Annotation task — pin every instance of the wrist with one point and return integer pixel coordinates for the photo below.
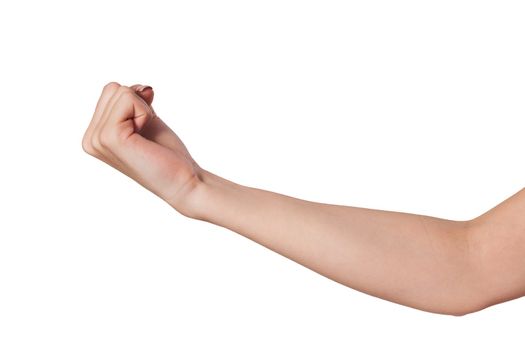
(202, 195)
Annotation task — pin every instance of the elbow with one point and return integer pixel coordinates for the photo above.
(459, 312)
(459, 308)
(473, 289)
(492, 274)
(456, 307)
(465, 308)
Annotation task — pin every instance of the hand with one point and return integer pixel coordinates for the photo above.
(126, 133)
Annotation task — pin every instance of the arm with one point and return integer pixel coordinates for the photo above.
(498, 246)
(433, 264)
(437, 265)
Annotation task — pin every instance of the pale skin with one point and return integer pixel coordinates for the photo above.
(432, 264)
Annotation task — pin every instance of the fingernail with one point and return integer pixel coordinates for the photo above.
(142, 88)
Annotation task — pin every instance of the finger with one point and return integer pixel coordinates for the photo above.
(107, 92)
(127, 115)
(102, 151)
(129, 112)
(109, 106)
(96, 146)
(156, 130)
(147, 94)
(121, 115)
(95, 135)
(144, 91)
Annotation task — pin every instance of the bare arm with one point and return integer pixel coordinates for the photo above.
(498, 246)
(433, 264)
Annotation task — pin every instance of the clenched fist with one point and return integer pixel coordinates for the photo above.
(126, 133)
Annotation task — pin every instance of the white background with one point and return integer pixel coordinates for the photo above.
(411, 106)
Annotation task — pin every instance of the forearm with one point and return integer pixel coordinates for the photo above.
(419, 261)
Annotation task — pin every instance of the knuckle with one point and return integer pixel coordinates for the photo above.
(111, 86)
(107, 139)
(104, 141)
(126, 92)
(86, 146)
(123, 89)
(96, 144)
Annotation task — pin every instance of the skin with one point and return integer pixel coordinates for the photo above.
(428, 263)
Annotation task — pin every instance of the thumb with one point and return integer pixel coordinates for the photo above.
(144, 91)
(130, 113)
(154, 128)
